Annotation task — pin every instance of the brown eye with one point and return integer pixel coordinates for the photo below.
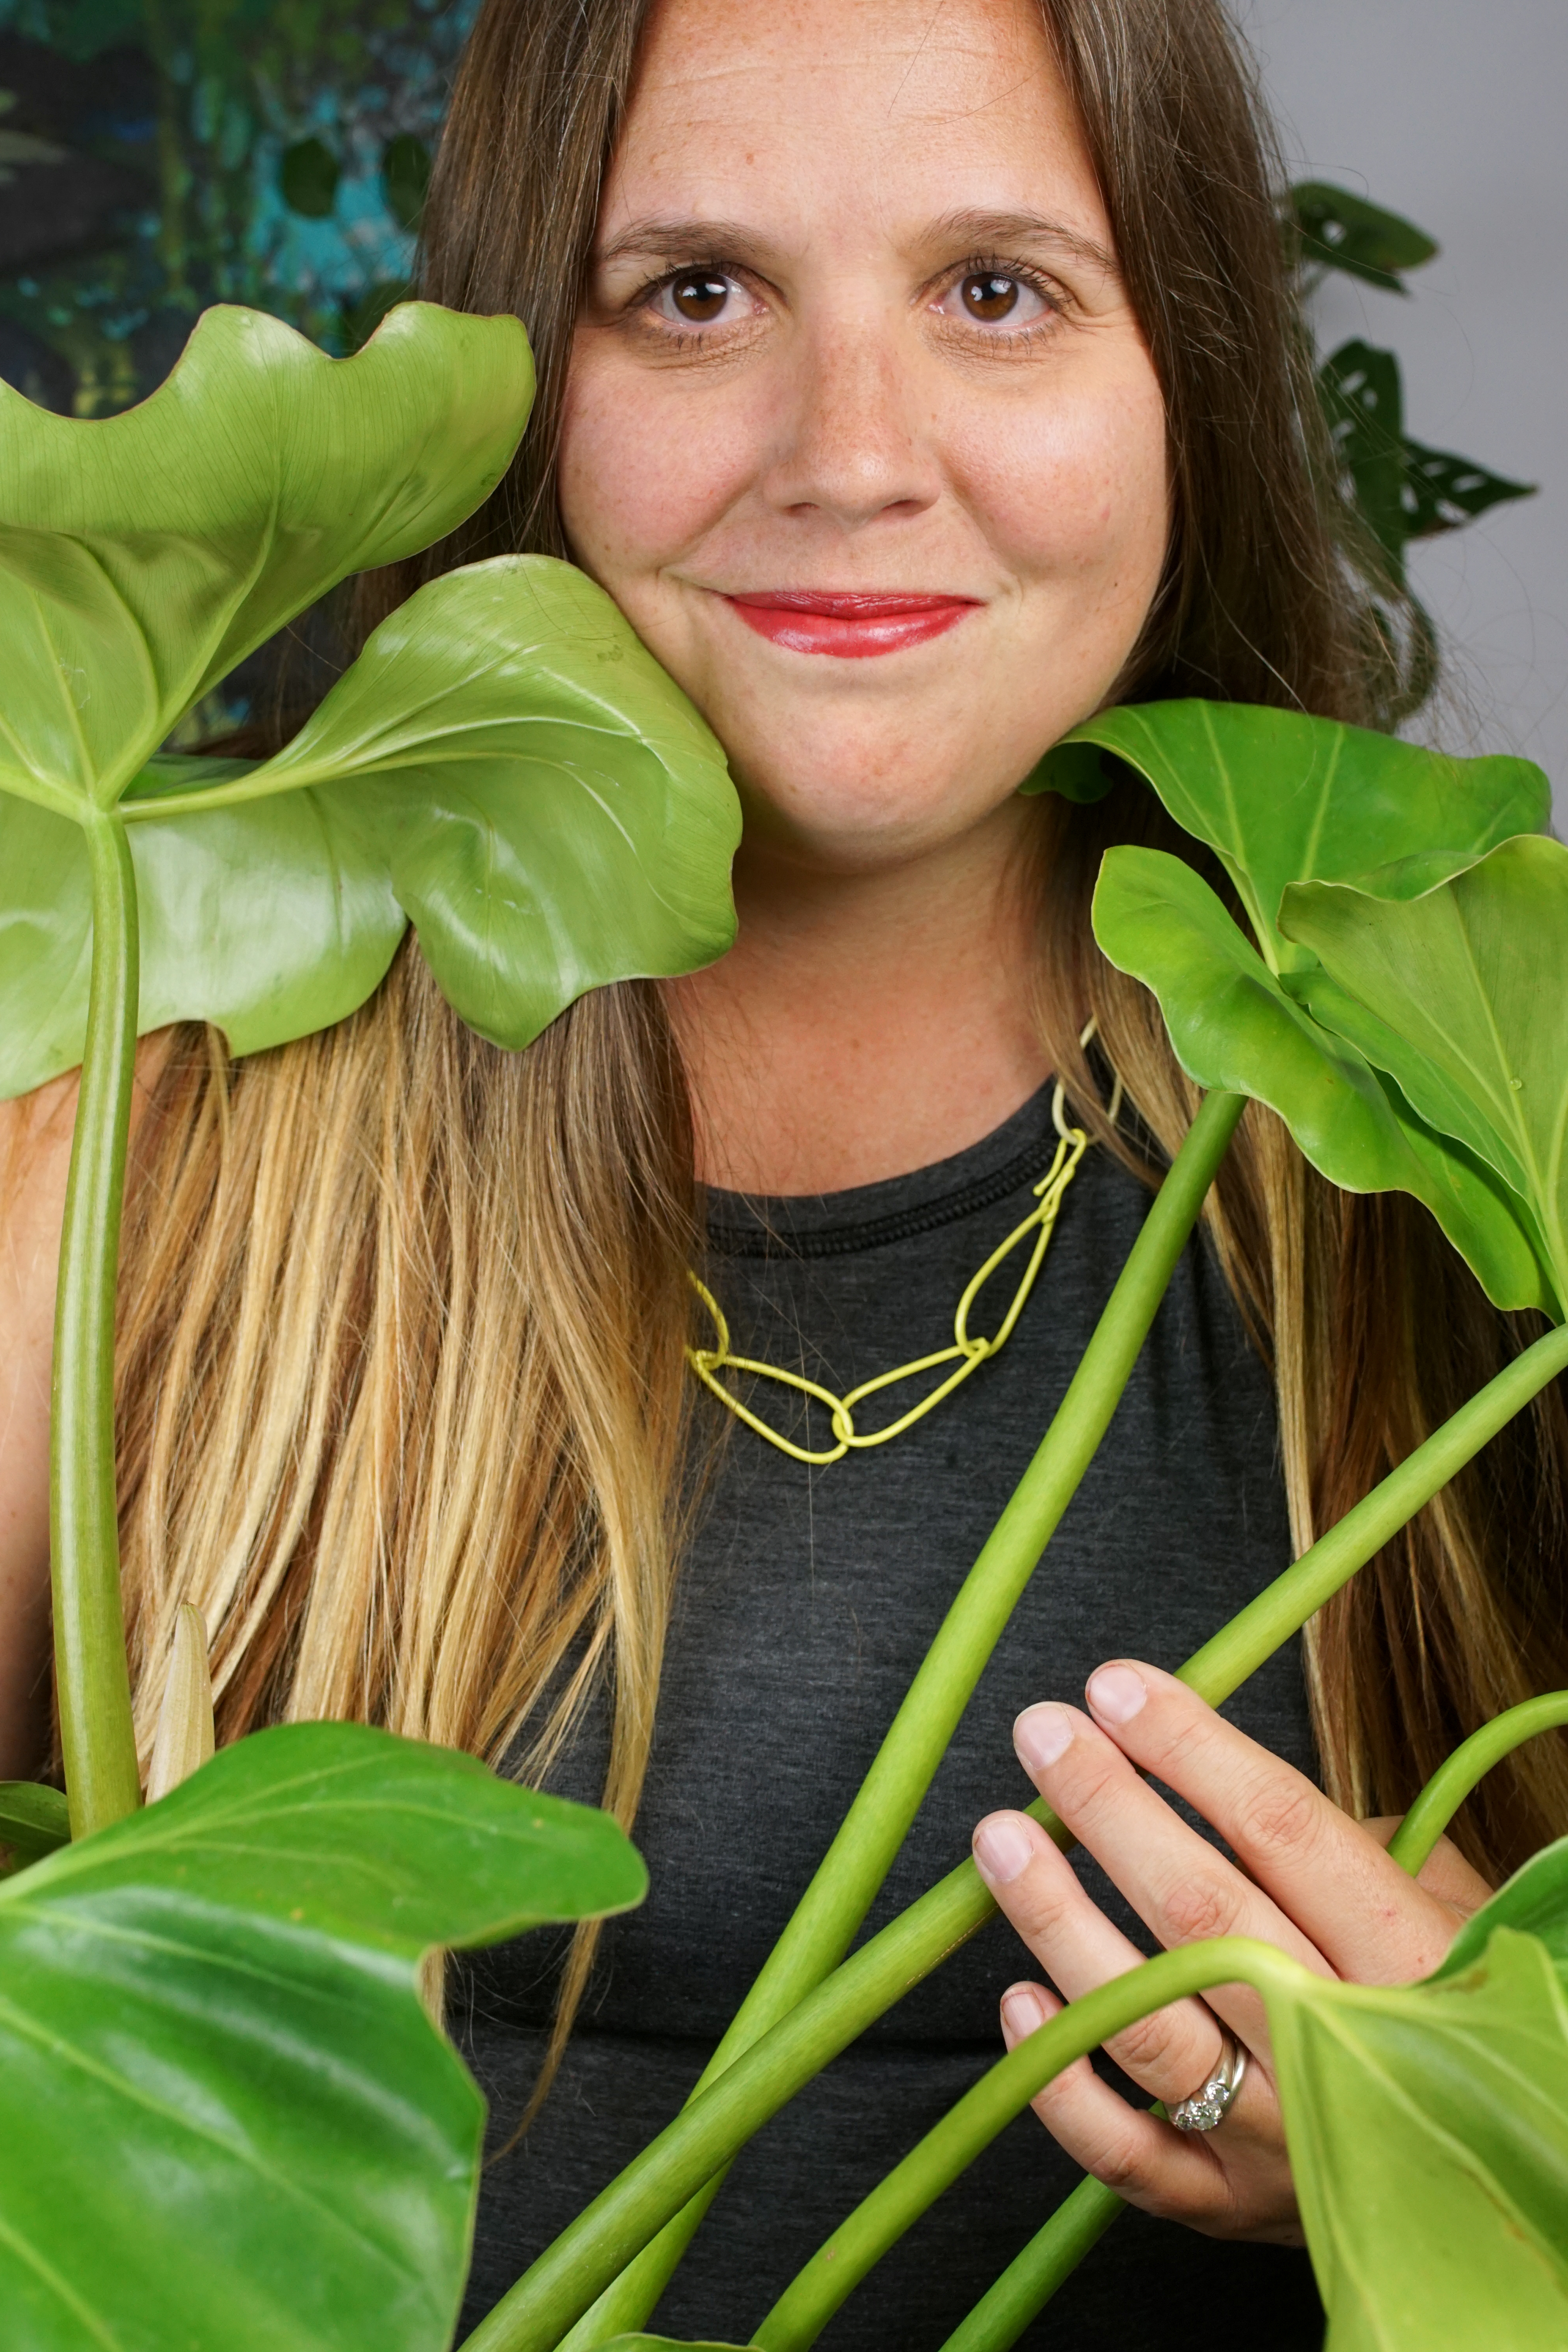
(699, 296)
(987, 296)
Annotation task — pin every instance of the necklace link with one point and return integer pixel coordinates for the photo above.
(966, 1352)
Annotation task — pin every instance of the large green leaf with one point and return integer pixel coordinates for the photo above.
(1461, 995)
(554, 811)
(273, 919)
(506, 764)
(1234, 1024)
(1427, 2127)
(144, 555)
(1286, 798)
(224, 2118)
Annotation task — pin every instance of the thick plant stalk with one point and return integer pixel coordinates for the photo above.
(1457, 1774)
(1032, 2277)
(568, 2277)
(811, 2299)
(847, 1882)
(91, 1675)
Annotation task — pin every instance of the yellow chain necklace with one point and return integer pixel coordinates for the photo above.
(708, 1362)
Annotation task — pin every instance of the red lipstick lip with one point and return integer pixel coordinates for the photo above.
(850, 623)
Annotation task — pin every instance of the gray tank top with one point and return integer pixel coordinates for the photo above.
(803, 1610)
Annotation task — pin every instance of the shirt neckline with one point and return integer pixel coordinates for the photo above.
(870, 1216)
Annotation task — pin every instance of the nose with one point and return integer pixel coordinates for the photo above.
(851, 449)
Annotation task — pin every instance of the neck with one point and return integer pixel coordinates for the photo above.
(864, 1024)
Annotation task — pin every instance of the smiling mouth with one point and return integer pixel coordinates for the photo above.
(852, 625)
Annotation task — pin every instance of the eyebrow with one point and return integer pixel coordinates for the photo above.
(678, 241)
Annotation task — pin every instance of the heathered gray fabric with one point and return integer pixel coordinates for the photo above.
(805, 1606)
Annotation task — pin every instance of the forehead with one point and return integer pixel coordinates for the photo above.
(903, 109)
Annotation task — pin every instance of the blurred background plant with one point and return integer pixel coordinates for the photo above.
(1400, 489)
(159, 155)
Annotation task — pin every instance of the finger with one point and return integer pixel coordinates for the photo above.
(1175, 1879)
(1143, 2159)
(1445, 1874)
(1172, 2052)
(1363, 1911)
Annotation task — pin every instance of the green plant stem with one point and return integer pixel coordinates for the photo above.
(92, 1677)
(1454, 1778)
(812, 2296)
(850, 1873)
(1032, 2277)
(535, 2313)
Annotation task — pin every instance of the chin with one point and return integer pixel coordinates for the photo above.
(845, 820)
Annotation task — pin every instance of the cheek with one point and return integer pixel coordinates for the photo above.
(640, 483)
(1075, 493)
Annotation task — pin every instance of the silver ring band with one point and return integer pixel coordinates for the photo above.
(1209, 2106)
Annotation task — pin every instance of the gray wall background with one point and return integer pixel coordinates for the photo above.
(1455, 112)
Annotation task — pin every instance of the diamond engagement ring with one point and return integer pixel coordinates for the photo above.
(1209, 2106)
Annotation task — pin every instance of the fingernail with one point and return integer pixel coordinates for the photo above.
(1023, 2012)
(1003, 1848)
(1040, 1735)
(1116, 1693)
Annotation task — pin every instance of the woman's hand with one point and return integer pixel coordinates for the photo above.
(1310, 1880)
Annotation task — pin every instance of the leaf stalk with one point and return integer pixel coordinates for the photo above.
(568, 2277)
(93, 1676)
(851, 1874)
(812, 2296)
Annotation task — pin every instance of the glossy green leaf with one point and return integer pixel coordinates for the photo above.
(1461, 995)
(273, 919)
(1335, 229)
(1427, 2127)
(1234, 1025)
(224, 2118)
(566, 818)
(1533, 1901)
(144, 554)
(666, 2344)
(506, 762)
(34, 1819)
(1286, 798)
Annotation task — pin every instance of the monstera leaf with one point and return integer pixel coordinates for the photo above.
(1429, 2135)
(506, 764)
(1286, 798)
(224, 2118)
(1461, 996)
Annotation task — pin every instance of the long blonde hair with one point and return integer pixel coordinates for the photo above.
(402, 1388)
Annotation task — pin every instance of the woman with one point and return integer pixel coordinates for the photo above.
(917, 380)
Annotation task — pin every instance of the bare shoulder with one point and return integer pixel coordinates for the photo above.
(34, 1164)
(35, 1159)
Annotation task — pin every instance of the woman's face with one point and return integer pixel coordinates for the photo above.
(854, 331)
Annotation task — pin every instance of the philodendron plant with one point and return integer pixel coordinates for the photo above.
(224, 2118)
(1408, 965)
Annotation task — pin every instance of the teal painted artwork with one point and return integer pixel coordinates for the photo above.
(159, 155)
